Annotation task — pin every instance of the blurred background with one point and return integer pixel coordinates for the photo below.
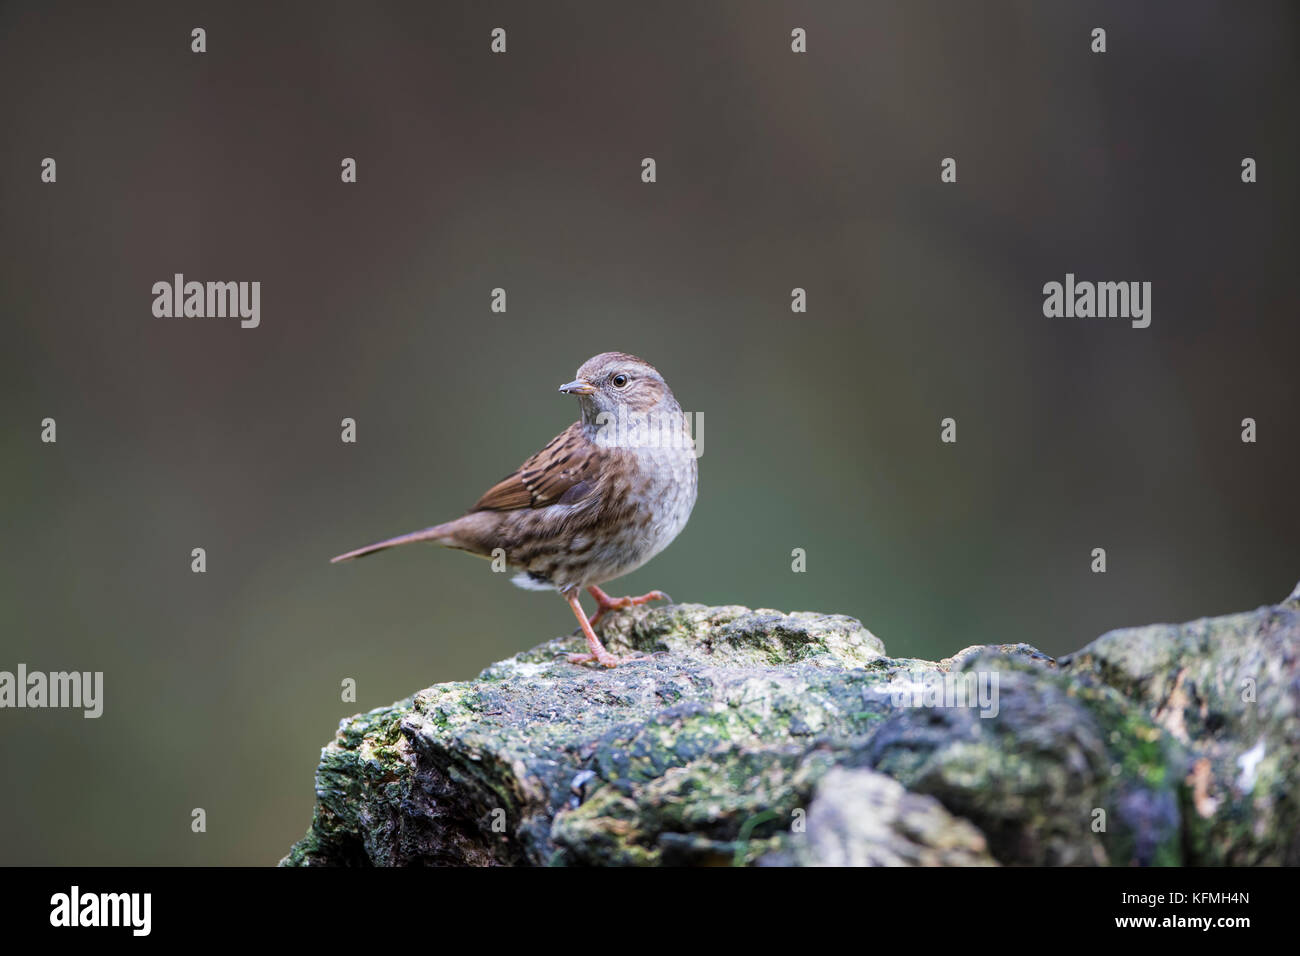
(522, 171)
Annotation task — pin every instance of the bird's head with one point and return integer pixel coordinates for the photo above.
(615, 381)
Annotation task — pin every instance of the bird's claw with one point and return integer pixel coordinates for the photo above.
(608, 660)
(606, 603)
(605, 660)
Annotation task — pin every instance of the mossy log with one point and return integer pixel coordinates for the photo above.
(756, 737)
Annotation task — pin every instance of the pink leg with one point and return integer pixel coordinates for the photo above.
(608, 603)
(598, 652)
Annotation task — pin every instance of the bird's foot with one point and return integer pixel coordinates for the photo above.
(604, 660)
(598, 652)
(607, 603)
(607, 659)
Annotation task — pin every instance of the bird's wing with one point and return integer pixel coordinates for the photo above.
(564, 472)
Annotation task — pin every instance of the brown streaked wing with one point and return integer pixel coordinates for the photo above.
(565, 469)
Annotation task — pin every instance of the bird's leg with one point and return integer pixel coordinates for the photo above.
(608, 603)
(598, 652)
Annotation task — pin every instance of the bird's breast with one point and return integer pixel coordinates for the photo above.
(662, 490)
(642, 500)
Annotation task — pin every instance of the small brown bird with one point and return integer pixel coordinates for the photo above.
(604, 497)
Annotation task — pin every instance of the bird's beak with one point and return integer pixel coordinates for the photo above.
(578, 387)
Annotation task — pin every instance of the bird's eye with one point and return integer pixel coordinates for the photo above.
(619, 380)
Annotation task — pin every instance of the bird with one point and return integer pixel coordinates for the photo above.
(601, 499)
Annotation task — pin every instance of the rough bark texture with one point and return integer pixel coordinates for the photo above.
(749, 737)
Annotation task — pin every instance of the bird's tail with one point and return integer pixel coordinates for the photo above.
(439, 534)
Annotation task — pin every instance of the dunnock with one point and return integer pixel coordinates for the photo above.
(604, 497)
